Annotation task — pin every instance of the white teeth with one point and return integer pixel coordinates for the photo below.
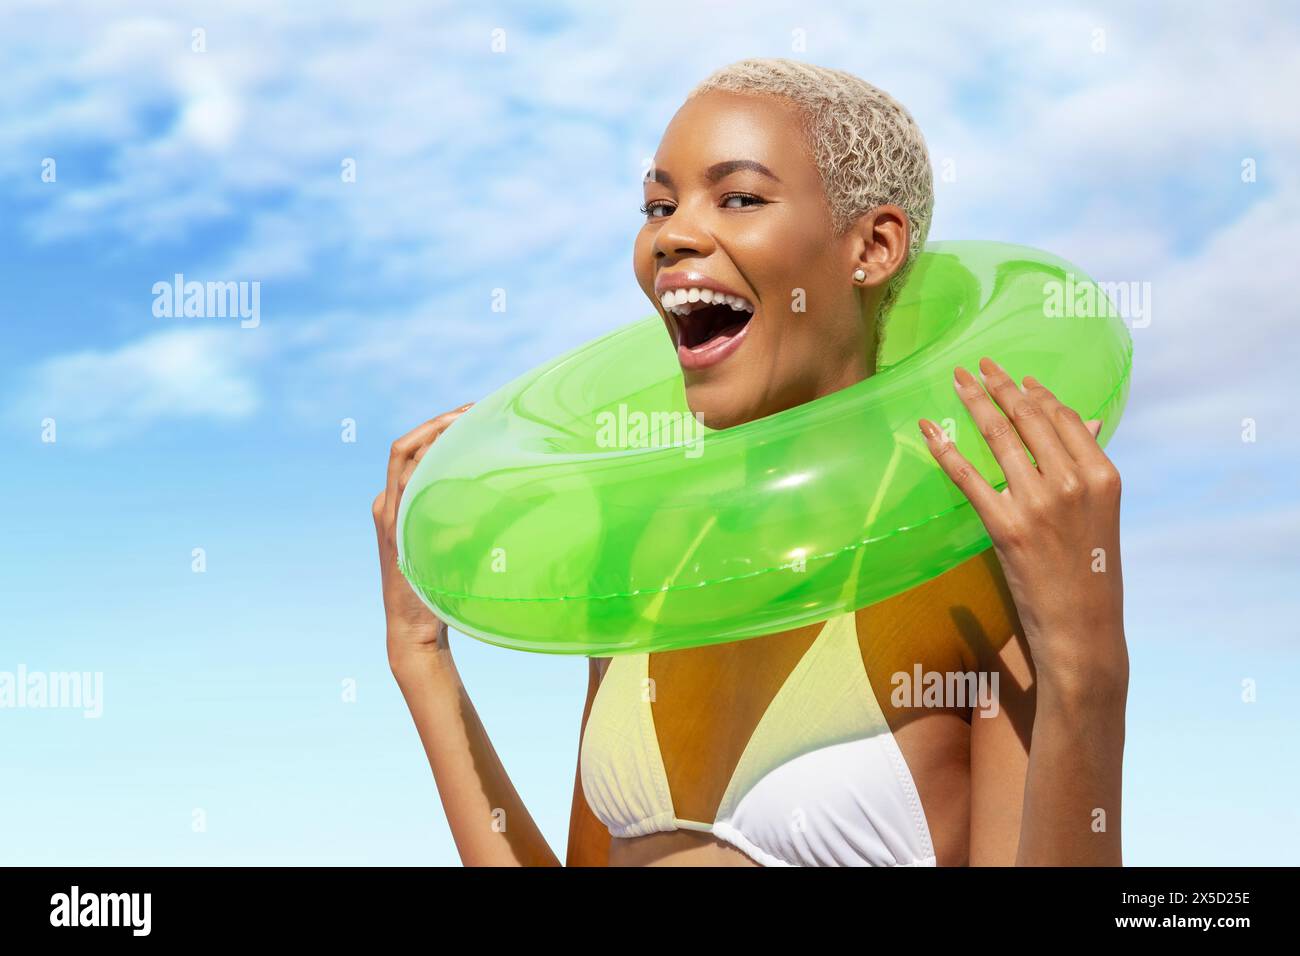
(685, 301)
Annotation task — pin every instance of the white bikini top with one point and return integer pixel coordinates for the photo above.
(820, 783)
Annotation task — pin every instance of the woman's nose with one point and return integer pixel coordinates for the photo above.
(683, 235)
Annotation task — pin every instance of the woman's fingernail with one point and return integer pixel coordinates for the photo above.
(1031, 382)
(928, 429)
(962, 378)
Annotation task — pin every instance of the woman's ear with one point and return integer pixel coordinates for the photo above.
(883, 233)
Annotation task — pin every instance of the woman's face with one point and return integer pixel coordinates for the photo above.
(736, 206)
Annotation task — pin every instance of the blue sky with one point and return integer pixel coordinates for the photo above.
(1121, 150)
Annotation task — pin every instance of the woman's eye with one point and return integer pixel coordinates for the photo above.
(745, 201)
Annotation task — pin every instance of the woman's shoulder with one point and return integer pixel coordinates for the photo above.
(956, 618)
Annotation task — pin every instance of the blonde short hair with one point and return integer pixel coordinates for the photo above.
(865, 143)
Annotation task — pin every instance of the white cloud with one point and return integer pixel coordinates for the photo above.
(1226, 538)
(99, 396)
(1220, 347)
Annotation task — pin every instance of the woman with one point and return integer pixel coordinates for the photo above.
(795, 198)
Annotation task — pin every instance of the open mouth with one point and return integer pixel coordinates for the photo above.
(702, 325)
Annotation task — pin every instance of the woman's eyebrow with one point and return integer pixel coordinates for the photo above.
(715, 172)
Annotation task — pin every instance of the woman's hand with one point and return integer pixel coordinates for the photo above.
(412, 627)
(1055, 527)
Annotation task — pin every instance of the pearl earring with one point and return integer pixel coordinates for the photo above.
(859, 276)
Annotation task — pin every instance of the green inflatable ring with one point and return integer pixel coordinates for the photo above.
(581, 509)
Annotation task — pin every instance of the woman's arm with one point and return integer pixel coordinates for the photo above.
(1074, 782)
(1041, 766)
(489, 822)
(1055, 529)
(459, 750)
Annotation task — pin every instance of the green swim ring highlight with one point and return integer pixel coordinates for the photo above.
(582, 509)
